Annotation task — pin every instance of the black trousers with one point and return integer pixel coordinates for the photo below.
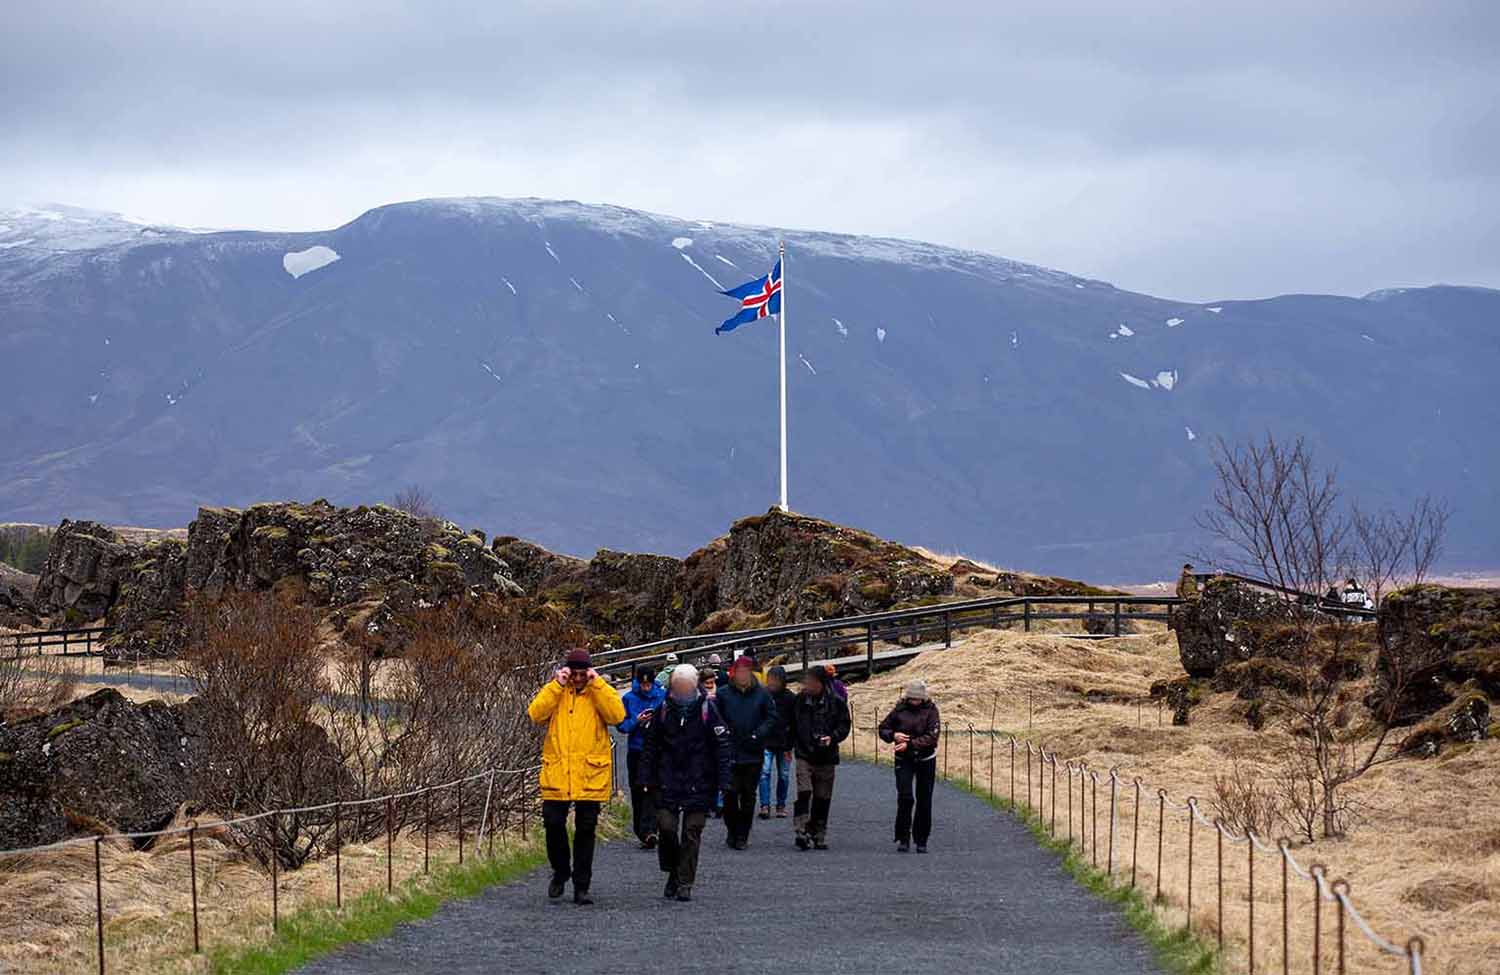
(739, 804)
(681, 833)
(918, 777)
(580, 867)
(814, 798)
(642, 803)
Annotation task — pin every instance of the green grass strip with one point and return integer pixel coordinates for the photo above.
(1177, 950)
(313, 932)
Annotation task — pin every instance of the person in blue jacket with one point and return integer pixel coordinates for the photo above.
(641, 701)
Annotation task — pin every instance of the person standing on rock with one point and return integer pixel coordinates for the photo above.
(577, 707)
(751, 715)
(913, 727)
(820, 720)
(778, 746)
(686, 758)
(641, 701)
(1187, 583)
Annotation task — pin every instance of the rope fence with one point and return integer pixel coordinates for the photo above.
(493, 817)
(1304, 923)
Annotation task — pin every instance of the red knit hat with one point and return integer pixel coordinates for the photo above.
(744, 660)
(578, 658)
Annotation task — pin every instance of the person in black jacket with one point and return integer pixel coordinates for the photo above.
(820, 720)
(778, 745)
(751, 715)
(685, 762)
(913, 727)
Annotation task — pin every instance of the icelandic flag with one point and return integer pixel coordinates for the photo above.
(758, 299)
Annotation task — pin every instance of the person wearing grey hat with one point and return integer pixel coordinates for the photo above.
(913, 727)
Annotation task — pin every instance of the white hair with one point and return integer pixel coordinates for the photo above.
(685, 672)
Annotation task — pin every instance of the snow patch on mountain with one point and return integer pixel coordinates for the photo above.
(880, 335)
(1166, 380)
(1215, 309)
(509, 285)
(689, 258)
(550, 251)
(1190, 434)
(682, 243)
(576, 284)
(809, 365)
(17, 243)
(1015, 340)
(1174, 322)
(721, 257)
(298, 263)
(1132, 380)
(843, 331)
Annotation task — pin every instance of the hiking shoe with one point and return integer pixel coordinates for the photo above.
(685, 894)
(582, 896)
(649, 843)
(921, 847)
(803, 842)
(765, 812)
(741, 844)
(671, 889)
(780, 812)
(903, 846)
(555, 888)
(820, 844)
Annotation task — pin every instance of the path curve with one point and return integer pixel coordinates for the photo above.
(986, 899)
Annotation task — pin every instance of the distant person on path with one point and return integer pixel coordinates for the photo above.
(644, 696)
(778, 745)
(577, 707)
(1356, 597)
(750, 712)
(665, 674)
(820, 720)
(834, 684)
(685, 763)
(913, 727)
(1187, 583)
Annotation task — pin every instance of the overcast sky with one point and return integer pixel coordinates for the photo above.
(1190, 150)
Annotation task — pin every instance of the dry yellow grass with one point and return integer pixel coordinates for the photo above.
(1426, 860)
(49, 922)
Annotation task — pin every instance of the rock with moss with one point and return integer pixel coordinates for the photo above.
(146, 615)
(1464, 720)
(1226, 623)
(101, 760)
(1437, 643)
(81, 577)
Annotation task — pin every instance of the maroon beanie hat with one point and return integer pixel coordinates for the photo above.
(578, 658)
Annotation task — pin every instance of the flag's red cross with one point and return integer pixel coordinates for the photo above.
(761, 300)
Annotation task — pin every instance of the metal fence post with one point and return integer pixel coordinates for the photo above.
(1028, 775)
(426, 828)
(1053, 828)
(390, 828)
(992, 759)
(193, 877)
(461, 814)
(1012, 771)
(1117, 617)
(1161, 830)
(1114, 783)
(870, 652)
(1026, 614)
(275, 882)
(972, 780)
(1341, 892)
(1219, 829)
(1070, 803)
(1135, 833)
(947, 741)
(338, 854)
(1286, 924)
(1317, 878)
(99, 902)
(804, 651)
(489, 822)
(1094, 816)
(1191, 802)
(1250, 923)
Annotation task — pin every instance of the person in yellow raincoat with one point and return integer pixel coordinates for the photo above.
(577, 707)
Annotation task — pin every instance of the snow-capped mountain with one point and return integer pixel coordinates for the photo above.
(549, 369)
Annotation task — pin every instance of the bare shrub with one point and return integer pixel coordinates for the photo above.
(1243, 804)
(1278, 514)
(453, 705)
(32, 683)
(415, 500)
(253, 663)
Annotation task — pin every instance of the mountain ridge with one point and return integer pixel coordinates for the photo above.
(549, 369)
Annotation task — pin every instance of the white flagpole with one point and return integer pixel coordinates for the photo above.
(781, 320)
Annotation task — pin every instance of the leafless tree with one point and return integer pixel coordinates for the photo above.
(253, 662)
(1279, 515)
(415, 500)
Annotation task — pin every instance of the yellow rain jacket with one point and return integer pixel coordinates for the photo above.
(575, 754)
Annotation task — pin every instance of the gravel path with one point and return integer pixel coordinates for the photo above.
(986, 899)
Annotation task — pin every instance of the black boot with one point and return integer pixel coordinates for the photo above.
(685, 894)
(903, 846)
(582, 896)
(671, 889)
(555, 888)
(803, 842)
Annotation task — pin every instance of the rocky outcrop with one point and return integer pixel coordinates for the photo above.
(81, 577)
(771, 568)
(797, 568)
(1225, 623)
(366, 565)
(98, 763)
(1440, 646)
(17, 611)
